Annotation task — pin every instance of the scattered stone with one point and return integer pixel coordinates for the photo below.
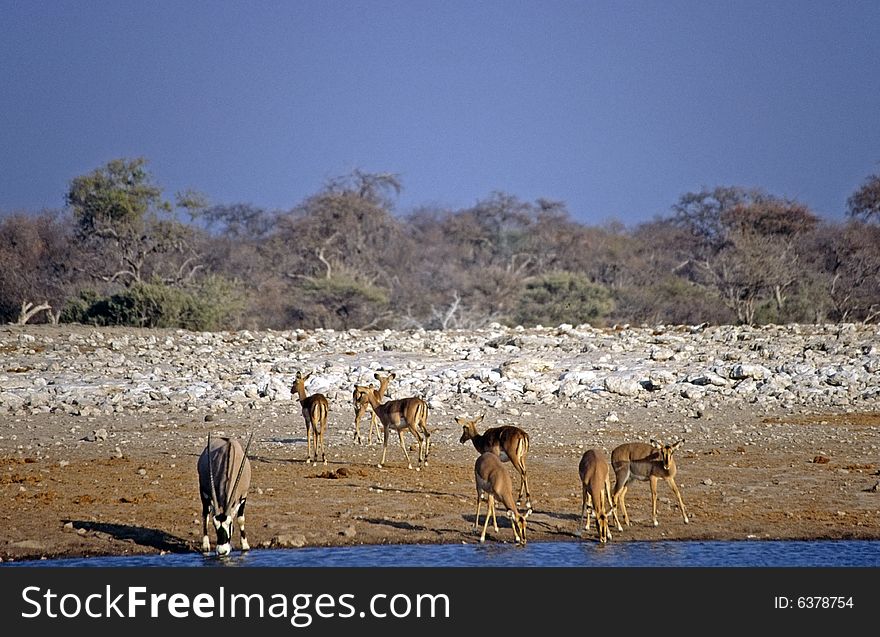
(297, 540)
(105, 373)
(821, 459)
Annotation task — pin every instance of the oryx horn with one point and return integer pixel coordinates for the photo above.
(240, 468)
(211, 478)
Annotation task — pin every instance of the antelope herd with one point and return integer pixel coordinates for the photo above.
(224, 469)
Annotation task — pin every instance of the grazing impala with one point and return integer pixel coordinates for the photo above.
(641, 461)
(224, 479)
(493, 480)
(508, 442)
(404, 414)
(314, 410)
(362, 405)
(594, 472)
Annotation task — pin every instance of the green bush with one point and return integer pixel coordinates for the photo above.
(562, 297)
(338, 302)
(211, 305)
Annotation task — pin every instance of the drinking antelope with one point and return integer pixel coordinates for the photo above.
(492, 479)
(641, 461)
(508, 442)
(362, 405)
(224, 480)
(314, 411)
(404, 414)
(594, 472)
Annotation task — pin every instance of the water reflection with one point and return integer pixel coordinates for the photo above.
(781, 553)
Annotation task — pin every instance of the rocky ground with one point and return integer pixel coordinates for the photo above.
(100, 430)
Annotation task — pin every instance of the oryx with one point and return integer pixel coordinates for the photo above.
(224, 479)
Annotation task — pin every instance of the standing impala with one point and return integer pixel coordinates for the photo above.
(314, 411)
(362, 405)
(641, 461)
(596, 489)
(492, 479)
(224, 479)
(508, 442)
(404, 414)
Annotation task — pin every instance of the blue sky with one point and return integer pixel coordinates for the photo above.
(615, 108)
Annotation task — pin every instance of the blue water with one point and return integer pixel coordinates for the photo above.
(749, 553)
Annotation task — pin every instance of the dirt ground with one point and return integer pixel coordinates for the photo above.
(742, 475)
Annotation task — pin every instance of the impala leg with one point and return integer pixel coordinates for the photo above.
(323, 456)
(309, 443)
(620, 502)
(384, 448)
(427, 441)
(492, 507)
(405, 452)
(515, 524)
(477, 517)
(588, 508)
(357, 424)
(611, 504)
(653, 482)
(374, 423)
(240, 521)
(524, 489)
(584, 520)
(677, 493)
(423, 459)
(486, 522)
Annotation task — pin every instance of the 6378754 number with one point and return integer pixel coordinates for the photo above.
(814, 602)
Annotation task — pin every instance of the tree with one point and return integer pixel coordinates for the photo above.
(850, 261)
(473, 263)
(335, 259)
(37, 264)
(119, 213)
(865, 202)
(745, 245)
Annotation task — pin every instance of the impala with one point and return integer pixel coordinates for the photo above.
(641, 461)
(362, 405)
(594, 472)
(492, 479)
(224, 479)
(508, 442)
(314, 411)
(404, 414)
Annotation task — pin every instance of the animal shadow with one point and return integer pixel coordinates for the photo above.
(143, 536)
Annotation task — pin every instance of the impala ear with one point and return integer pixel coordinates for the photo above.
(376, 376)
(459, 420)
(480, 419)
(656, 444)
(677, 444)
